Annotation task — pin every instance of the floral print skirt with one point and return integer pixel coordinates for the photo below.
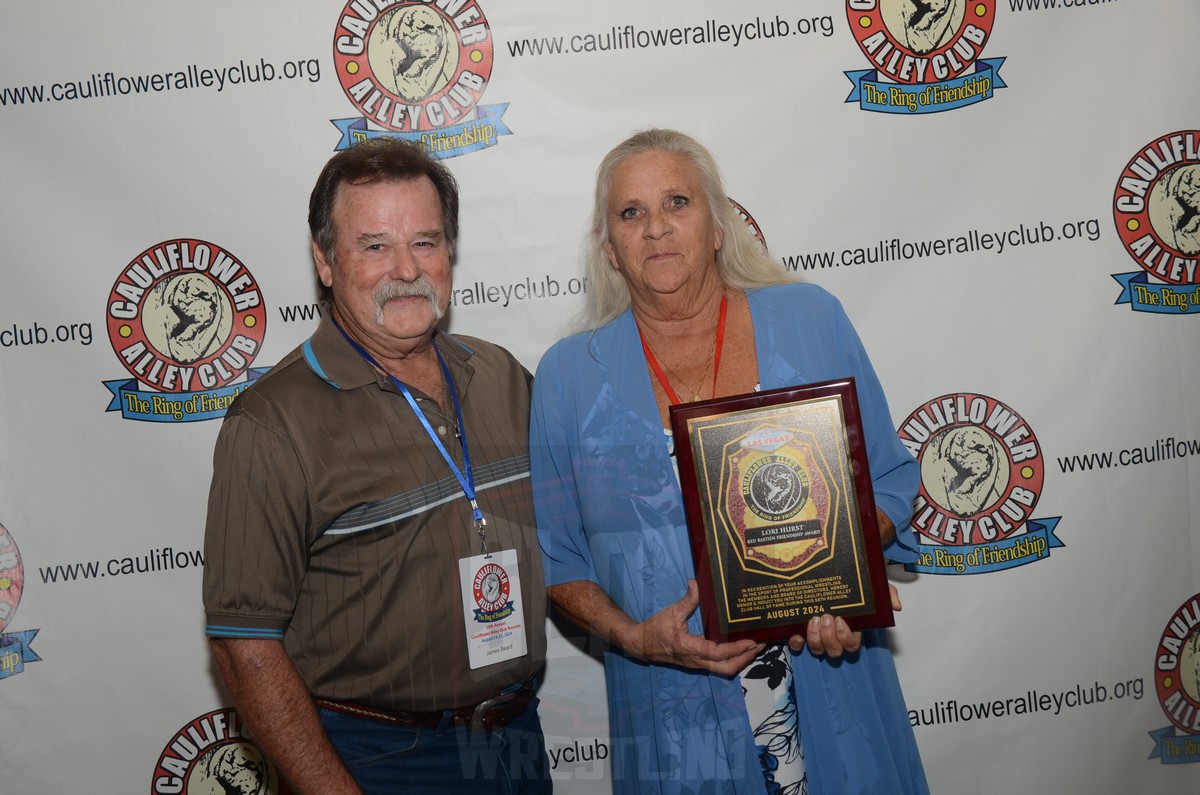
(771, 702)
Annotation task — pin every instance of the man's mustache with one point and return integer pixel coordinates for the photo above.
(421, 287)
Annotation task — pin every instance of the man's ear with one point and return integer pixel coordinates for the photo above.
(324, 269)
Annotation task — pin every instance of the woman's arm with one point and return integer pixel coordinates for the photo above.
(663, 638)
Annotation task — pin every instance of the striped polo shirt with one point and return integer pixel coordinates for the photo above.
(335, 525)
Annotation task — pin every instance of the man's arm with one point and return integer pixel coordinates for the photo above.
(274, 703)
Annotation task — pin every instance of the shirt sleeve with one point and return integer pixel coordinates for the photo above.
(553, 434)
(255, 544)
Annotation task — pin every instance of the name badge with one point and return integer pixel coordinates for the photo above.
(491, 596)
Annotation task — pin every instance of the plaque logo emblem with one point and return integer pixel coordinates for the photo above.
(775, 488)
(777, 500)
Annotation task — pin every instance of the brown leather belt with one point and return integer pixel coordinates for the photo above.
(499, 710)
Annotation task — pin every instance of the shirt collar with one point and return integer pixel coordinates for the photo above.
(335, 362)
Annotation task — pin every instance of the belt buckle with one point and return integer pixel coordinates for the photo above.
(479, 718)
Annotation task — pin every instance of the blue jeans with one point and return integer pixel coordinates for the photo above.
(384, 758)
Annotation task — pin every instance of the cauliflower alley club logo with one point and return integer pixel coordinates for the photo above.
(186, 318)
(981, 478)
(1157, 211)
(1177, 683)
(751, 224)
(416, 69)
(925, 54)
(15, 648)
(492, 590)
(213, 753)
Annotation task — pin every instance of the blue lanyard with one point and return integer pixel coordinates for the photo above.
(466, 475)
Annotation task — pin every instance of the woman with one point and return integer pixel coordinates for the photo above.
(683, 305)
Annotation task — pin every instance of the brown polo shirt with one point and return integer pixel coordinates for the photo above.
(335, 525)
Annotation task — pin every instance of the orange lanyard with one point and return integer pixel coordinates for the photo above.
(658, 372)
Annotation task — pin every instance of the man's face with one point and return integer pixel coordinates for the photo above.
(390, 277)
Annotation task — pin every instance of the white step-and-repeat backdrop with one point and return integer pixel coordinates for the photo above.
(1008, 205)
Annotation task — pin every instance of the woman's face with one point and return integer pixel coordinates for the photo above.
(661, 234)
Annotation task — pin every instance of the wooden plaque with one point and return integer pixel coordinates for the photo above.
(780, 511)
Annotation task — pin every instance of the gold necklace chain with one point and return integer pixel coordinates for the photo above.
(675, 377)
(714, 356)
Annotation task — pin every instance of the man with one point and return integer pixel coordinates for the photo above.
(366, 638)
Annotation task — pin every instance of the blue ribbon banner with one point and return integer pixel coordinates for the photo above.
(15, 651)
(209, 404)
(1029, 547)
(469, 136)
(957, 92)
(1161, 299)
(1175, 749)
(484, 617)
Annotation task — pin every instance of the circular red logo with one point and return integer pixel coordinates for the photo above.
(1177, 667)
(1156, 207)
(914, 41)
(185, 315)
(414, 66)
(213, 754)
(751, 224)
(491, 587)
(981, 469)
(12, 578)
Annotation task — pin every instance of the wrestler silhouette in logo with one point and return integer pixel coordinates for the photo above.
(413, 52)
(964, 470)
(232, 769)
(923, 25)
(776, 489)
(1189, 666)
(187, 317)
(1175, 208)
